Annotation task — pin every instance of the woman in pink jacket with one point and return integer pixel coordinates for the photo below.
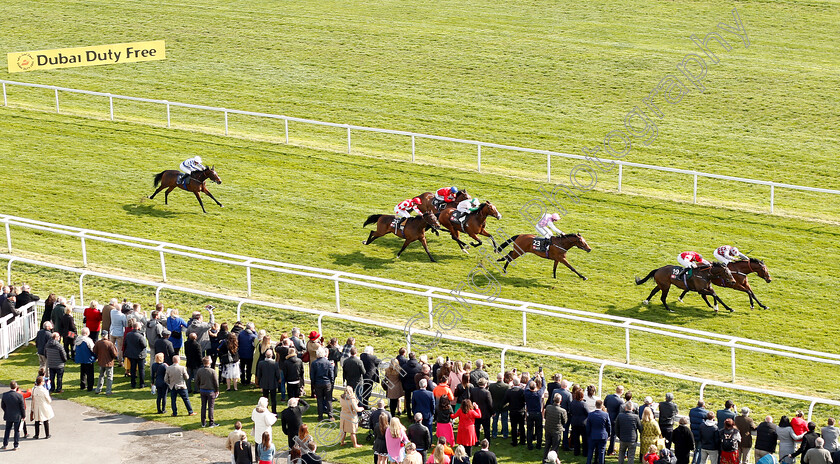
(466, 425)
(395, 440)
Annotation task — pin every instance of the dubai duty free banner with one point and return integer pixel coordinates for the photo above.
(87, 56)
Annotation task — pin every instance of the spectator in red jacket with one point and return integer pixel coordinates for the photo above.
(93, 320)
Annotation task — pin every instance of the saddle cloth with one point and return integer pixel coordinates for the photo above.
(541, 244)
(398, 224)
(438, 204)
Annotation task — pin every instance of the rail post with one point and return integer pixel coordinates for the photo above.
(702, 389)
(524, 328)
(601, 376)
(431, 312)
(479, 157)
(84, 248)
(695, 188)
(504, 350)
(248, 275)
(226, 122)
(157, 293)
(57, 108)
(239, 310)
(9, 270)
(337, 295)
(772, 198)
(168, 116)
(162, 263)
(620, 174)
(627, 341)
(111, 105)
(412, 148)
(348, 140)
(82, 288)
(5, 102)
(811, 410)
(286, 124)
(548, 170)
(8, 236)
(732, 343)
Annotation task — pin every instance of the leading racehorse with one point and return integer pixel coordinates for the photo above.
(556, 251)
(428, 201)
(169, 180)
(414, 228)
(740, 270)
(700, 282)
(473, 224)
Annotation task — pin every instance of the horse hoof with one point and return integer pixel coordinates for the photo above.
(465, 250)
(645, 302)
(716, 308)
(731, 310)
(584, 278)
(669, 310)
(765, 307)
(680, 300)
(752, 306)
(364, 242)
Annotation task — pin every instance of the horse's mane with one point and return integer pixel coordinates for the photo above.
(570, 235)
(756, 261)
(717, 264)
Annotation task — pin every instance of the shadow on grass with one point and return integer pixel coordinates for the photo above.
(356, 258)
(147, 210)
(655, 312)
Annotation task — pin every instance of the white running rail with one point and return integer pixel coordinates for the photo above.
(18, 331)
(413, 135)
(504, 348)
(427, 292)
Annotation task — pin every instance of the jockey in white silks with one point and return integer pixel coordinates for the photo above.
(546, 227)
(191, 165)
(727, 253)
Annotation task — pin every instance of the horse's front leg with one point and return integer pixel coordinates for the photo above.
(717, 299)
(477, 242)
(426, 247)
(487, 234)
(198, 197)
(204, 189)
(564, 261)
(705, 297)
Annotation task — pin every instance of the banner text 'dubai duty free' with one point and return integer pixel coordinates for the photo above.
(87, 56)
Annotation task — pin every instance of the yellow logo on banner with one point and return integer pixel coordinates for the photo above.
(87, 56)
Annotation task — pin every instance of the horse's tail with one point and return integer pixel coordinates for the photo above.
(372, 219)
(158, 177)
(506, 243)
(650, 274)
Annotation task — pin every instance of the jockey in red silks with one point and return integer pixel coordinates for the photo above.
(690, 260)
(446, 194)
(404, 209)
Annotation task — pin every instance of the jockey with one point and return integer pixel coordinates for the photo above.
(690, 260)
(727, 253)
(446, 194)
(191, 165)
(468, 206)
(404, 209)
(545, 226)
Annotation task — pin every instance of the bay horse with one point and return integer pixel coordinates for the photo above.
(740, 270)
(169, 180)
(700, 282)
(556, 251)
(414, 229)
(427, 199)
(473, 225)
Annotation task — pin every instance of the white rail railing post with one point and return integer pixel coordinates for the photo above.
(57, 108)
(601, 377)
(84, 248)
(226, 123)
(82, 288)
(337, 295)
(157, 293)
(702, 389)
(811, 410)
(524, 328)
(695, 188)
(504, 351)
(412, 148)
(8, 236)
(286, 124)
(5, 101)
(431, 313)
(733, 342)
(548, 169)
(627, 341)
(162, 263)
(111, 106)
(320, 319)
(239, 310)
(248, 275)
(772, 198)
(620, 174)
(168, 116)
(479, 157)
(9, 270)
(348, 140)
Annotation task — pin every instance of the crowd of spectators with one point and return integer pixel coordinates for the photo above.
(447, 405)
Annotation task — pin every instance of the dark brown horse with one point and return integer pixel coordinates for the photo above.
(473, 225)
(700, 282)
(169, 180)
(556, 251)
(427, 199)
(740, 270)
(414, 229)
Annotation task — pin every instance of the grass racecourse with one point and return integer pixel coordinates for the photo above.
(553, 76)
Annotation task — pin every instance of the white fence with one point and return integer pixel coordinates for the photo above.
(431, 294)
(415, 135)
(504, 348)
(18, 331)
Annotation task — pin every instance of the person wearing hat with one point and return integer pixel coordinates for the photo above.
(163, 345)
(312, 349)
(746, 425)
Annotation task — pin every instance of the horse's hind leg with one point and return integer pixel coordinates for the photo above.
(682, 295)
(652, 293)
(664, 298)
(166, 195)
(371, 237)
(198, 197)
(156, 192)
(403, 247)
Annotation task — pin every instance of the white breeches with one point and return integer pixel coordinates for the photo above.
(401, 213)
(185, 169)
(686, 263)
(721, 258)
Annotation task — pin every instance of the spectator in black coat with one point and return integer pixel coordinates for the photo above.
(411, 368)
(268, 376)
(24, 297)
(668, 411)
(614, 404)
(192, 349)
(352, 369)
(709, 439)
(44, 335)
(683, 441)
(577, 422)
(8, 306)
(68, 331)
(56, 357)
(135, 350)
(808, 441)
(293, 373)
(628, 428)
(485, 456)
(163, 345)
(765, 438)
(370, 375)
(14, 411)
(482, 399)
(419, 435)
(514, 402)
(292, 417)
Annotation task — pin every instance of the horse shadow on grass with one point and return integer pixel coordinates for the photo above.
(684, 313)
(147, 210)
